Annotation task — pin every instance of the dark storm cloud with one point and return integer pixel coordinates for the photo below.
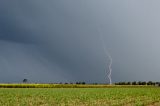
(54, 41)
(54, 31)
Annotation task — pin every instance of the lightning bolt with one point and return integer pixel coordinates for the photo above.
(109, 66)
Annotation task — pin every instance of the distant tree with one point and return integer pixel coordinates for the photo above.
(134, 83)
(139, 83)
(77, 83)
(153, 83)
(25, 80)
(116, 83)
(119, 83)
(128, 83)
(122, 83)
(144, 83)
(149, 83)
(83, 83)
(80, 83)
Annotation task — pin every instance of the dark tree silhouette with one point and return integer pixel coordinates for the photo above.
(134, 83)
(25, 80)
(83, 83)
(128, 83)
(144, 83)
(149, 83)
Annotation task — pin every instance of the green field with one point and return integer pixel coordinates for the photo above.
(147, 96)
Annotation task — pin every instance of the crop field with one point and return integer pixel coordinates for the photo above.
(121, 96)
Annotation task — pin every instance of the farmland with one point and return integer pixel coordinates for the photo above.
(109, 96)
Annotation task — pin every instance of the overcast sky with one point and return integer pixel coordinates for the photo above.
(60, 40)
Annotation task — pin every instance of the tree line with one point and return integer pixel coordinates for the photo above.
(139, 83)
(117, 83)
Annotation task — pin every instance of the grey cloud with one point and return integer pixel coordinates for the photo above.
(56, 41)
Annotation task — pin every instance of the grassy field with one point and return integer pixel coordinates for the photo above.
(121, 96)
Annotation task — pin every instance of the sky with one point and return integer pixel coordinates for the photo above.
(56, 41)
